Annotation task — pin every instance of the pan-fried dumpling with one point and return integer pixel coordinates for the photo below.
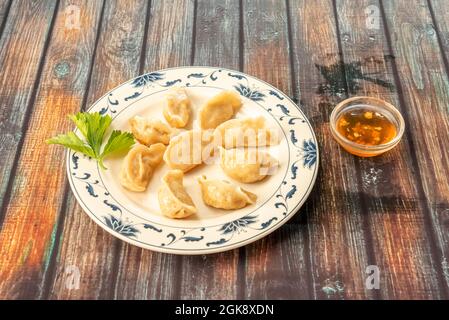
(246, 132)
(149, 132)
(139, 164)
(224, 195)
(219, 109)
(185, 151)
(247, 165)
(177, 108)
(174, 201)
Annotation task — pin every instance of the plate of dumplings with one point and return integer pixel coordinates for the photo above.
(221, 159)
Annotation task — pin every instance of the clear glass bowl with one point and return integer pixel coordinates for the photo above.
(373, 104)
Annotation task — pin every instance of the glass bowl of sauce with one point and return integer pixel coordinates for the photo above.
(366, 126)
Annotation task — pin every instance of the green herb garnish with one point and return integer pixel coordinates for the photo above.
(93, 127)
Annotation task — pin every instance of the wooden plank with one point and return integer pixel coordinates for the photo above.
(392, 202)
(20, 54)
(170, 32)
(84, 244)
(119, 47)
(337, 242)
(425, 88)
(29, 230)
(275, 267)
(5, 6)
(265, 37)
(144, 274)
(217, 34)
(440, 18)
(216, 44)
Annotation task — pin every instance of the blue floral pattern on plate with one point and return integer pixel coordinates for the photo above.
(302, 165)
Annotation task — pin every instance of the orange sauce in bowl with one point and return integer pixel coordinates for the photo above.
(365, 126)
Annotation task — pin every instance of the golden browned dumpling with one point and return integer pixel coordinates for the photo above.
(219, 109)
(149, 132)
(223, 194)
(185, 151)
(174, 201)
(139, 164)
(245, 132)
(177, 108)
(247, 165)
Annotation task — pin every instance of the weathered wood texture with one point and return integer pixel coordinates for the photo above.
(170, 32)
(337, 241)
(28, 233)
(425, 93)
(20, 54)
(440, 15)
(390, 211)
(5, 6)
(117, 58)
(389, 188)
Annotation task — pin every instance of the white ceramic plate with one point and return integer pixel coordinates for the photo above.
(135, 217)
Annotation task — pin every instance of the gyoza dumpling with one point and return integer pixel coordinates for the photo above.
(219, 109)
(246, 132)
(149, 132)
(247, 165)
(177, 108)
(139, 164)
(224, 195)
(185, 151)
(174, 201)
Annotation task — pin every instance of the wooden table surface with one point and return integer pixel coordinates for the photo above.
(392, 211)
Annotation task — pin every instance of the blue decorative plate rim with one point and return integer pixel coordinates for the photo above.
(121, 228)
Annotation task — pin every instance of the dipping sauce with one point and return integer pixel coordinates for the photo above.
(366, 126)
(363, 125)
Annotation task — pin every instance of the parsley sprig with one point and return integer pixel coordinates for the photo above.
(93, 127)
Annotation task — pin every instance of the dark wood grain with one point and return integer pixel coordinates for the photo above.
(170, 33)
(425, 94)
(388, 189)
(20, 54)
(335, 227)
(117, 59)
(273, 269)
(5, 6)
(144, 274)
(216, 44)
(217, 34)
(36, 197)
(440, 17)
